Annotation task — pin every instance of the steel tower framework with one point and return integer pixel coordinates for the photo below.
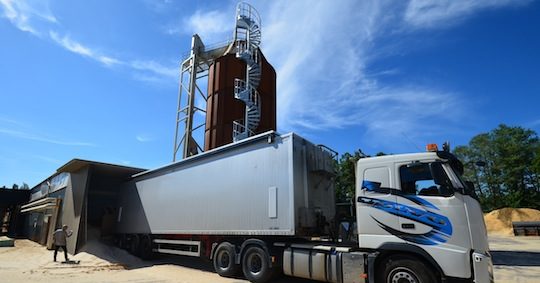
(194, 73)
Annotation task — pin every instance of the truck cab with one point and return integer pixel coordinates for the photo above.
(421, 218)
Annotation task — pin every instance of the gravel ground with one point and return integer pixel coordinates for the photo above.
(516, 260)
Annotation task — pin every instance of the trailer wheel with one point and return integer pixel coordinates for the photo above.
(225, 260)
(255, 265)
(407, 270)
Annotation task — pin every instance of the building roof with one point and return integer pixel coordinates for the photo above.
(76, 164)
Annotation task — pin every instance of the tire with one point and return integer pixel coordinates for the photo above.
(255, 265)
(225, 260)
(406, 270)
(134, 245)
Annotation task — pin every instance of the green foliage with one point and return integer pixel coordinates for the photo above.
(24, 186)
(511, 173)
(345, 179)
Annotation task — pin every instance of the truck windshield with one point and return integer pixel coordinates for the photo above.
(428, 179)
(455, 178)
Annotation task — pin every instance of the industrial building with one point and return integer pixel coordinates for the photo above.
(81, 194)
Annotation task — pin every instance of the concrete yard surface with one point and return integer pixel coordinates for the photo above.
(31, 262)
(517, 259)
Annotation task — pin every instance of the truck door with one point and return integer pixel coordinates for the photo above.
(432, 215)
(374, 197)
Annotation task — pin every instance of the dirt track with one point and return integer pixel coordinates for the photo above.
(516, 260)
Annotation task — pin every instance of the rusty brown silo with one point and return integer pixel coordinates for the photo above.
(222, 108)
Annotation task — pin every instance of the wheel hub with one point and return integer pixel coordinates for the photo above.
(403, 276)
(255, 264)
(224, 259)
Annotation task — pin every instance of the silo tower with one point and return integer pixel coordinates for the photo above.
(232, 85)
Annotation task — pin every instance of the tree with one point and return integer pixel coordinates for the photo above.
(510, 159)
(24, 186)
(345, 179)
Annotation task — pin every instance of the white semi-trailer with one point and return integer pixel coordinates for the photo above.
(266, 204)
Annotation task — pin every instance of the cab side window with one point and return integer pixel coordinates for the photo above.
(417, 179)
(379, 175)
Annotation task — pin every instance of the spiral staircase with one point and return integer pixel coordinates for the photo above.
(247, 39)
(194, 74)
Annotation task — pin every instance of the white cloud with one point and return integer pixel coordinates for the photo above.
(146, 70)
(12, 122)
(159, 6)
(320, 55)
(108, 61)
(435, 13)
(40, 138)
(155, 68)
(25, 131)
(212, 26)
(144, 138)
(77, 48)
(323, 57)
(48, 159)
(26, 14)
(30, 16)
(71, 45)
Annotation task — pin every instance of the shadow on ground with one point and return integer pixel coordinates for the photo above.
(115, 255)
(205, 265)
(515, 258)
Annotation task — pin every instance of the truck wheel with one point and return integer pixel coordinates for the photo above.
(407, 270)
(255, 265)
(224, 260)
(134, 245)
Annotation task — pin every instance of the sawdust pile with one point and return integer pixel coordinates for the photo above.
(96, 252)
(499, 221)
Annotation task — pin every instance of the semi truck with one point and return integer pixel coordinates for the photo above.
(266, 205)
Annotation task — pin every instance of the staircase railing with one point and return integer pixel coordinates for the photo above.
(248, 38)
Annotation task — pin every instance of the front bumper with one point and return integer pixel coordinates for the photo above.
(483, 267)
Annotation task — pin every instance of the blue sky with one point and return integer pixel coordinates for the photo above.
(98, 79)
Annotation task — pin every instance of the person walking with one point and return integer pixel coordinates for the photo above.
(60, 240)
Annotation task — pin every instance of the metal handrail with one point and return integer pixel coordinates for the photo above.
(244, 9)
(247, 21)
